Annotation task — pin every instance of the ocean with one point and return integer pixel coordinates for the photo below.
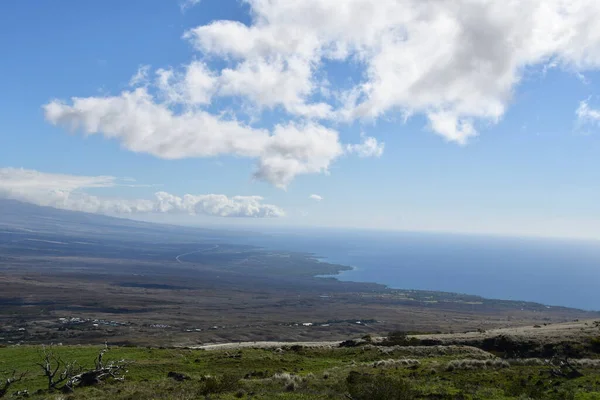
(548, 271)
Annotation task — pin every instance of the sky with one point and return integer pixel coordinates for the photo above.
(470, 116)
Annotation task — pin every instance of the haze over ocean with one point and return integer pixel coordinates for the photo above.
(549, 271)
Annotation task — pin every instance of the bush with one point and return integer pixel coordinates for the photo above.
(349, 343)
(378, 387)
(290, 381)
(395, 363)
(595, 344)
(469, 364)
(212, 384)
(399, 338)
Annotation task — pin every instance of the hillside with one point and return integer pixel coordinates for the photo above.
(17, 216)
(362, 372)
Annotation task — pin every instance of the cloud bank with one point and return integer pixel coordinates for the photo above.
(455, 62)
(67, 192)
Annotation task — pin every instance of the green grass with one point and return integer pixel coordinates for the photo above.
(302, 374)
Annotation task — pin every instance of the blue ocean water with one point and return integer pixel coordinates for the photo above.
(548, 271)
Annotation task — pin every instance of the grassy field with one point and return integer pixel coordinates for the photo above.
(367, 372)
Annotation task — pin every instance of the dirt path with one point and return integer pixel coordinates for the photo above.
(557, 331)
(564, 330)
(264, 345)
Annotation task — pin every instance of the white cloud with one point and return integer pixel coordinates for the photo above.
(297, 149)
(67, 192)
(216, 204)
(143, 125)
(586, 114)
(455, 62)
(267, 84)
(370, 147)
(23, 180)
(184, 5)
(315, 197)
(141, 76)
(195, 86)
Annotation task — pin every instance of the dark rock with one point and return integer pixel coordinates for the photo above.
(178, 376)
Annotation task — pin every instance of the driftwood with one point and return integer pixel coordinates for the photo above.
(9, 381)
(65, 376)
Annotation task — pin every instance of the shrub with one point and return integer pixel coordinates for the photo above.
(378, 387)
(349, 343)
(530, 362)
(595, 344)
(469, 364)
(394, 363)
(212, 384)
(290, 381)
(399, 338)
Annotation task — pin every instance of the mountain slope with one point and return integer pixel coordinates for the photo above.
(17, 216)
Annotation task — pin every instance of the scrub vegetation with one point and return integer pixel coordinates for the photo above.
(369, 370)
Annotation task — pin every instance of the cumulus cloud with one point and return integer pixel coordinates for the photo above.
(143, 125)
(297, 149)
(586, 114)
(455, 62)
(370, 147)
(195, 86)
(67, 192)
(315, 197)
(216, 204)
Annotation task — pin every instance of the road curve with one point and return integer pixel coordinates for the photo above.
(216, 246)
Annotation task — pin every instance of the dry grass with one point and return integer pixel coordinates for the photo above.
(437, 351)
(473, 364)
(405, 362)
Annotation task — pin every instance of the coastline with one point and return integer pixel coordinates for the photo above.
(471, 296)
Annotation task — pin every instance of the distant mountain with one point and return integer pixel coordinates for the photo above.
(19, 216)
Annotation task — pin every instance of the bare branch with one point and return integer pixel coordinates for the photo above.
(14, 377)
(51, 364)
(70, 375)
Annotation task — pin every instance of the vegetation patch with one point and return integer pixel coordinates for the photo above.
(362, 372)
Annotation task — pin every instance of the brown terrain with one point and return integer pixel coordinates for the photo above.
(143, 284)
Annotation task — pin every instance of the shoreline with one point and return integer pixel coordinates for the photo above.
(385, 287)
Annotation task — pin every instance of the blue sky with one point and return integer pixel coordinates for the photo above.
(389, 125)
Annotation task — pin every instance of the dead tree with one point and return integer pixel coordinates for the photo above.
(9, 381)
(560, 367)
(66, 376)
(56, 370)
(113, 369)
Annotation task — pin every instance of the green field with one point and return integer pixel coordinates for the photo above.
(367, 372)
